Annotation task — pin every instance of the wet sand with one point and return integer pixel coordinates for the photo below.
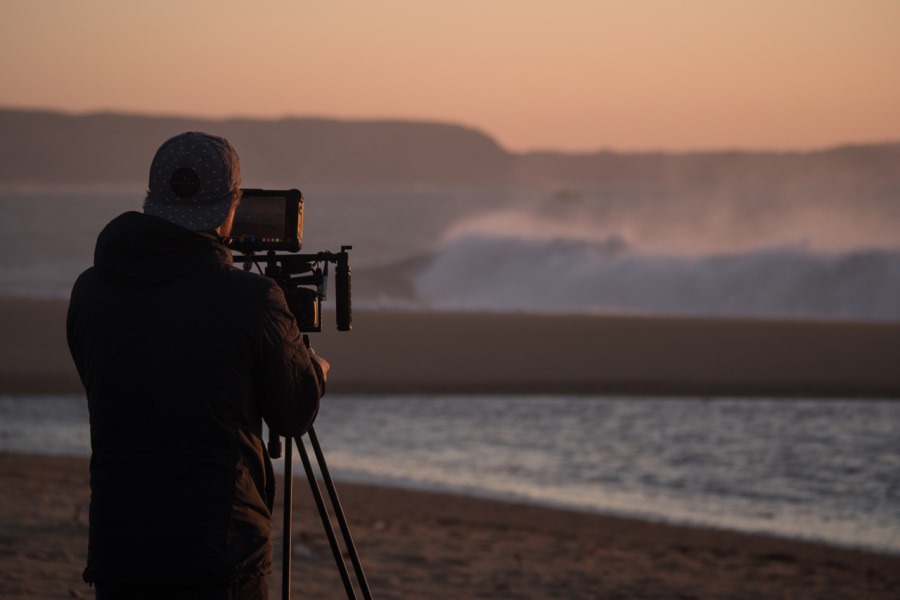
(427, 545)
(393, 352)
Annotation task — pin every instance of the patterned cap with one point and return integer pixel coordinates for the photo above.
(192, 181)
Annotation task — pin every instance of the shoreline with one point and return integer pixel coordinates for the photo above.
(650, 510)
(478, 353)
(587, 512)
(416, 543)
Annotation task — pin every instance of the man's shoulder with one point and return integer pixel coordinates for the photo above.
(252, 293)
(249, 281)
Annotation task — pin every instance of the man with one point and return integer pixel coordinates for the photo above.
(182, 355)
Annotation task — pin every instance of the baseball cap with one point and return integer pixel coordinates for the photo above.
(193, 178)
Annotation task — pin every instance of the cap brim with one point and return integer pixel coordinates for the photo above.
(197, 217)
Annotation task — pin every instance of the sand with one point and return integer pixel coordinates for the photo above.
(425, 545)
(392, 352)
(428, 545)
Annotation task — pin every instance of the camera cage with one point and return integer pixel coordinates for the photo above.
(271, 222)
(304, 280)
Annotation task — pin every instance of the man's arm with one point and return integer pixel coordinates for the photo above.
(289, 383)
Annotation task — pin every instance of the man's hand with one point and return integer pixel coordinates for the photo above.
(320, 362)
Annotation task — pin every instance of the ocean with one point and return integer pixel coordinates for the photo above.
(588, 251)
(818, 470)
(826, 470)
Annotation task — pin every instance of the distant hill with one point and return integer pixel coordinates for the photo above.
(42, 147)
(47, 147)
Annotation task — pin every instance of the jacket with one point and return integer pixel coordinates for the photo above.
(182, 356)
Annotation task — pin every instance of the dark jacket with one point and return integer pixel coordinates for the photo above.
(181, 356)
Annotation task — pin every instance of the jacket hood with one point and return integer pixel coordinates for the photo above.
(135, 250)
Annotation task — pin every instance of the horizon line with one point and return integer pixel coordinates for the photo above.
(837, 145)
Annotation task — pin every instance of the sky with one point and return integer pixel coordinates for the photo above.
(570, 75)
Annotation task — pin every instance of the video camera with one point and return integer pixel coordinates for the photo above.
(271, 221)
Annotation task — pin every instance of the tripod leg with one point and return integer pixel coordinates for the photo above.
(286, 528)
(339, 513)
(275, 452)
(326, 521)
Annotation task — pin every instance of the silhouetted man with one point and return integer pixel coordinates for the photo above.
(182, 356)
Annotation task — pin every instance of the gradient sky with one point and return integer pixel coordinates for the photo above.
(535, 74)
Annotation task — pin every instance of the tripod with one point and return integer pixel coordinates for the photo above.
(275, 452)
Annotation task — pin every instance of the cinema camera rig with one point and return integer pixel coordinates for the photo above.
(271, 222)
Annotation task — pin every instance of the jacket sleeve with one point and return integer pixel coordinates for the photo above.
(287, 383)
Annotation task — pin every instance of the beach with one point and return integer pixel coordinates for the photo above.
(417, 544)
(425, 545)
(424, 352)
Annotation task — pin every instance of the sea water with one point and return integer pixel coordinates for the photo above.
(821, 470)
(536, 250)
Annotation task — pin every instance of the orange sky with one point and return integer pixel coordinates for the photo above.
(562, 74)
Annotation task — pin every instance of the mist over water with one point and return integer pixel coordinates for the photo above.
(517, 260)
(679, 254)
(812, 252)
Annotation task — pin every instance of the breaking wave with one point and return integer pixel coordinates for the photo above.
(483, 265)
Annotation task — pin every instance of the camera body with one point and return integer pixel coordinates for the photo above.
(271, 222)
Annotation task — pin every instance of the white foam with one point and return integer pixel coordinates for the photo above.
(512, 263)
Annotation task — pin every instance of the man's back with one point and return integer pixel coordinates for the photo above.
(181, 355)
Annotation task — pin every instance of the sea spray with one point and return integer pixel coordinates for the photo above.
(509, 262)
